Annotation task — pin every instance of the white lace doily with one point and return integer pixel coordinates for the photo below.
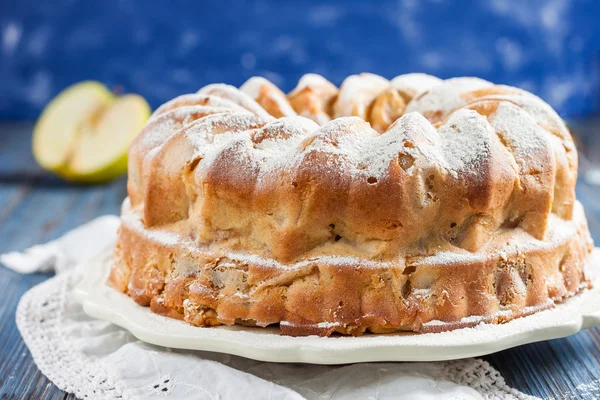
(98, 360)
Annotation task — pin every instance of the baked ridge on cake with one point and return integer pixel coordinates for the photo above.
(415, 204)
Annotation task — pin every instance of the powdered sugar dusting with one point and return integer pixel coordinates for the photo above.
(195, 99)
(257, 86)
(161, 236)
(518, 130)
(357, 93)
(560, 232)
(448, 258)
(235, 95)
(379, 151)
(414, 83)
(320, 325)
(472, 319)
(277, 144)
(274, 134)
(537, 108)
(446, 97)
(155, 134)
(266, 148)
(423, 138)
(218, 129)
(312, 81)
(330, 260)
(353, 144)
(165, 125)
(478, 319)
(460, 146)
(252, 87)
(466, 142)
(361, 151)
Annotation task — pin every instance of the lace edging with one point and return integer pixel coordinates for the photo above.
(481, 376)
(42, 307)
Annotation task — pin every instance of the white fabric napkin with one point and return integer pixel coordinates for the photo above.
(96, 359)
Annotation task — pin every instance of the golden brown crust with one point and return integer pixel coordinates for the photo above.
(460, 211)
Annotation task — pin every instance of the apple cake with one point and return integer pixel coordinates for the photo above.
(415, 204)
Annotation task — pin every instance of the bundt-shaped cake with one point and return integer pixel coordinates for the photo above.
(415, 204)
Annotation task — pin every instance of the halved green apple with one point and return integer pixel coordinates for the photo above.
(83, 135)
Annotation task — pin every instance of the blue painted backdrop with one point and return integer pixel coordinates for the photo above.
(164, 48)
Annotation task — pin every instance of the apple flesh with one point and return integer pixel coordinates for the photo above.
(84, 134)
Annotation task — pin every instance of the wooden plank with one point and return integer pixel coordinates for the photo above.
(19, 376)
(16, 161)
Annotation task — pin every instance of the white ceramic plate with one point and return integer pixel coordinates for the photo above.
(266, 344)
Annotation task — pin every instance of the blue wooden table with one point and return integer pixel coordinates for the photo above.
(36, 207)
